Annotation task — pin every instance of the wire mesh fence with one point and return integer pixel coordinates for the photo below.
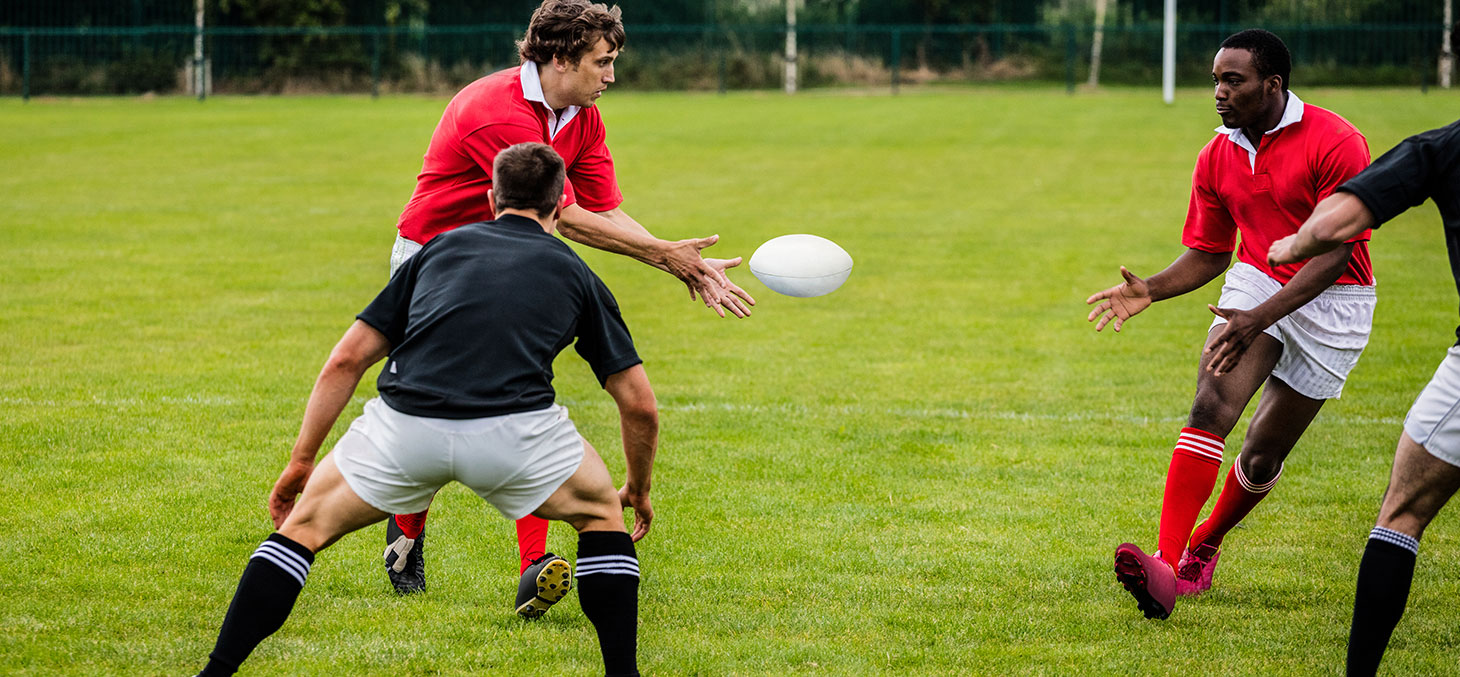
(90, 61)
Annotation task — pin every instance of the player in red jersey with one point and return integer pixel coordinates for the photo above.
(1296, 329)
(568, 56)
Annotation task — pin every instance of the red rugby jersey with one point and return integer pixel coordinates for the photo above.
(1296, 166)
(482, 119)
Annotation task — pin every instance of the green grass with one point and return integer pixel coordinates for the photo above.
(925, 473)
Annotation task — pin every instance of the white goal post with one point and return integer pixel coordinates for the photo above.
(1168, 54)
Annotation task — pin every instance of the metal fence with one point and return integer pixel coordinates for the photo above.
(90, 61)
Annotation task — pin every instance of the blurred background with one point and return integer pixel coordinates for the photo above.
(88, 47)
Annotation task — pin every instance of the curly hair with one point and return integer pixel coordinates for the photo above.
(1269, 55)
(567, 29)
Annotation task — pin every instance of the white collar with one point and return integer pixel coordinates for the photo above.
(532, 91)
(1292, 113)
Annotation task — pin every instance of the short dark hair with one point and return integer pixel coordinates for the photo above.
(527, 176)
(1269, 55)
(567, 29)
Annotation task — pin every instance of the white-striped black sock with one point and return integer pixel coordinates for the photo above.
(266, 592)
(1385, 574)
(608, 590)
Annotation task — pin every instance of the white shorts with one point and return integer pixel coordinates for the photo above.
(1434, 421)
(1321, 341)
(402, 251)
(396, 462)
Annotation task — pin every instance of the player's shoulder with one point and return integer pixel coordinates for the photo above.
(1208, 152)
(1328, 124)
(494, 98)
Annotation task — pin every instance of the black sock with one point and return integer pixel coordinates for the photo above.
(1383, 590)
(608, 590)
(265, 596)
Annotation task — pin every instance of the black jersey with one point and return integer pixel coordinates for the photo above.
(1424, 166)
(477, 316)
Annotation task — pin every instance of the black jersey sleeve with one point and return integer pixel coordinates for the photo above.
(1409, 173)
(392, 306)
(603, 338)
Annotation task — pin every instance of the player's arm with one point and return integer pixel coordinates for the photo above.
(617, 232)
(638, 414)
(1188, 272)
(1243, 326)
(360, 347)
(1339, 218)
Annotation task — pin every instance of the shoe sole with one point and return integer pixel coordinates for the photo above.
(1132, 576)
(553, 583)
(404, 584)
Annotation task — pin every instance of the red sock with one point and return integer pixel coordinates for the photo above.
(531, 539)
(1189, 482)
(1239, 497)
(411, 525)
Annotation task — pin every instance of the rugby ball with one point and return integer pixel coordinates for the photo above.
(801, 265)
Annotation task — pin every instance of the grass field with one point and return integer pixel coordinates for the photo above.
(925, 473)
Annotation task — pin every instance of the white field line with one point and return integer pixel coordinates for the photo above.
(784, 409)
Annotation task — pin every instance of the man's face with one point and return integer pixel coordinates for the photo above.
(1242, 95)
(586, 80)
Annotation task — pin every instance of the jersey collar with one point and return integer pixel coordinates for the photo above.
(516, 221)
(532, 91)
(1292, 114)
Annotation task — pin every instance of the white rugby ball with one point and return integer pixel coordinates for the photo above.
(801, 265)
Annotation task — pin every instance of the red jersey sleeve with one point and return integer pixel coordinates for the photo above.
(483, 145)
(1209, 226)
(591, 175)
(1341, 163)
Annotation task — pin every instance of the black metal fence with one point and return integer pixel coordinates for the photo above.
(91, 61)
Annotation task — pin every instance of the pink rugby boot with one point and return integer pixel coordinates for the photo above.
(1194, 573)
(1149, 579)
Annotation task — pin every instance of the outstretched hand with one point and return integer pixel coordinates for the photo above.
(1226, 350)
(643, 511)
(1121, 302)
(706, 278)
(287, 489)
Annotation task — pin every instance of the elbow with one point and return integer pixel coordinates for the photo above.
(344, 361)
(569, 229)
(645, 413)
(642, 412)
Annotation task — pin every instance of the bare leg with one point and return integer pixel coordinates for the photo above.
(1283, 415)
(1220, 400)
(1419, 486)
(328, 510)
(588, 500)
(1194, 466)
(276, 573)
(608, 567)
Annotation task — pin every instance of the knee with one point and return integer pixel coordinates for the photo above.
(305, 533)
(1259, 466)
(1405, 515)
(601, 511)
(1211, 413)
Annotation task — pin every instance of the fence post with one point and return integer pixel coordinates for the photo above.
(375, 64)
(721, 70)
(1070, 58)
(426, 54)
(896, 58)
(199, 78)
(25, 66)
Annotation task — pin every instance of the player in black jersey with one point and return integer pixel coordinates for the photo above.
(1427, 461)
